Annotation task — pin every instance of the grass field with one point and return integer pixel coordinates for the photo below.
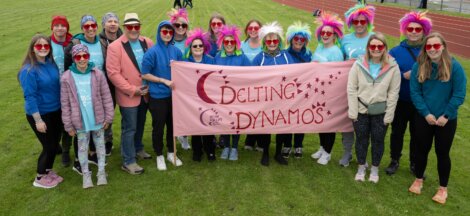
(220, 188)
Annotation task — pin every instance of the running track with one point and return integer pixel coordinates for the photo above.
(456, 30)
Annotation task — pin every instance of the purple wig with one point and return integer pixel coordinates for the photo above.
(201, 35)
(229, 31)
(416, 17)
(332, 20)
(360, 9)
(175, 14)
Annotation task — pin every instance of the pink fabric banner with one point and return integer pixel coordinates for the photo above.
(296, 98)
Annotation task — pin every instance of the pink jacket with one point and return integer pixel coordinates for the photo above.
(123, 70)
(101, 98)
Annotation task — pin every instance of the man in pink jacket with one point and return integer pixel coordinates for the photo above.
(123, 64)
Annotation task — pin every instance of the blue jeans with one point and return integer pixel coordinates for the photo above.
(132, 130)
(235, 139)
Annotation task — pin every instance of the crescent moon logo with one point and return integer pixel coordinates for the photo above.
(201, 117)
(201, 92)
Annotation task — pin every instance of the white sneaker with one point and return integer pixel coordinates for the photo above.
(374, 174)
(318, 154)
(171, 159)
(325, 157)
(361, 173)
(184, 142)
(161, 163)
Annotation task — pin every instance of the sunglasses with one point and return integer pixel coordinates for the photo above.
(362, 22)
(377, 47)
(41, 46)
(135, 27)
(166, 32)
(416, 29)
(253, 28)
(177, 25)
(197, 46)
(216, 24)
(88, 26)
(269, 42)
(326, 33)
(297, 39)
(229, 42)
(435, 46)
(79, 57)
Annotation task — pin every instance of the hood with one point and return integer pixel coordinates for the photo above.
(365, 64)
(404, 43)
(81, 36)
(159, 39)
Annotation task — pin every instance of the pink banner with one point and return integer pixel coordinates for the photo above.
(296, 98)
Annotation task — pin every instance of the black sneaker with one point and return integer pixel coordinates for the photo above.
(393, 167)
(109, 148)
(77, 168)
(65, 159)
(211, 157)
(281, 160)
(93, 159)
(298, 153)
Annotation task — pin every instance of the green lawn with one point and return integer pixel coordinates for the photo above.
(220, 188)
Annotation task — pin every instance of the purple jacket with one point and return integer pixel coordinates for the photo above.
(101, 98)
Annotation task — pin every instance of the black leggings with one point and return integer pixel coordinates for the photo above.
(443, 138)
(161, 115)
(327, 140)
(200, 142)
(49, 140)
(404, 113)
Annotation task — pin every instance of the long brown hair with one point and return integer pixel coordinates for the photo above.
(378, 36)
(425, 63)
(30, 58)
(214, 16)
(248, 25)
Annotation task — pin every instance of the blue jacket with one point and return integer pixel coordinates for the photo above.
(214, 49)
(264, 59)
(41, 87)
(157, 60)
(232, 60)
(206, 59)
(437, 97)
(405, 62)
(304, 56)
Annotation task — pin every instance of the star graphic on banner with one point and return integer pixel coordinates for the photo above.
(331, 76)
(339, 72)
(328, 113)
(197, 71)
(284, 79)
(316, 90)
(329, 82)
(317, 80)
(306, 95)
(309, 85)
(323, 92)
(322, 83)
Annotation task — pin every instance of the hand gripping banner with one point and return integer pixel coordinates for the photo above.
(295, 98)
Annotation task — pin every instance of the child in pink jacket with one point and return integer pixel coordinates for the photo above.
(87, 108)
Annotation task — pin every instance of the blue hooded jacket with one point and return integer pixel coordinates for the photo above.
(304, 56)
(264, 59)
(206, 59)
(232, 60)
(157, 60)
(405, 62)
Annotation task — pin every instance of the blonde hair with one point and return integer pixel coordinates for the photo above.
(378, 36)
(425, 63)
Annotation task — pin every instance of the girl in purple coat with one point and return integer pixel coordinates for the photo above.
(87, 108)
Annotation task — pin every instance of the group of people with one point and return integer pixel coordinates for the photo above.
(72, 84)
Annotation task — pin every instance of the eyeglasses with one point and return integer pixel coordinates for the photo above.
(327, 33)
(297, 39)
(269, 42)
(229, 42)
(416, 29)
(377, 47)
(88, 26)
(362, 22)
(435, 46)
(177, 25)
(135, 27)
(41, 46)
(197, 46)
(85, 56)
(217, 24)
(252, 28)
(166, 32)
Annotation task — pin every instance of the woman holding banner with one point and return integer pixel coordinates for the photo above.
(231, 55)
(273, 54)
(328, 33)
(197, 51)
(373, 86)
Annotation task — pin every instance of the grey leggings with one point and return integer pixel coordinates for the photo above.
(370, 127)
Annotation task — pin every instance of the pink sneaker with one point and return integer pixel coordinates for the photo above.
(45, 182)
(56, 177)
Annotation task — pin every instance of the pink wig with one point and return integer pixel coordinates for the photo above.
(361, 9)
(229, 31)
(175, 14)
(416, 17)
(332, 20)
(201, 35)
